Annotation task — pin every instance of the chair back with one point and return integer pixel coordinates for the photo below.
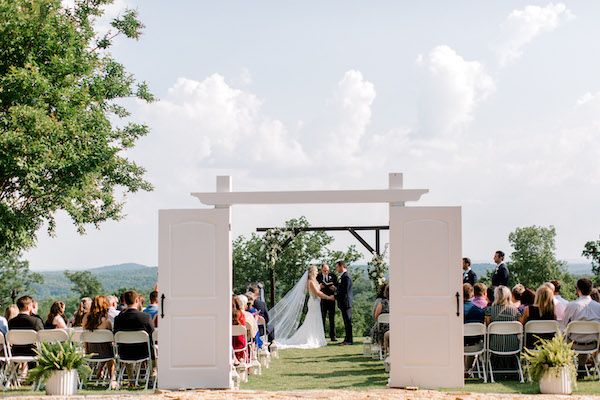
(583, 328)
(505, 328)
(249, 331)
(155, 336)
(17, 337)
(383, 318)
(131, 337)
(3, 349)
(97, 336)
(238, 330)
(474, 329)
(52, 335)
(539, 327)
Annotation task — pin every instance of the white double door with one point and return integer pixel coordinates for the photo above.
(194, 275)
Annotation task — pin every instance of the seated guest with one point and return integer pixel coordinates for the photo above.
(3, 325)
(11, 312)
(98, 318)
(132, 319)
(382, 307)
(582, 309)
(559, 303)
(261, 308)
(480, 295)
(542, 309)
(516, 292)
(502, 310)
(24, 320)
(238, 318)
(595, 295)
(112, 309)
(472, 313)
(82, 309)
(527, 299)
(152, 308)
(34, 310)
(249, 318)
(250, 308)
(56, 316)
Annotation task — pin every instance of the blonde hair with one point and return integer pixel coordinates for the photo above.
(312, 271)
(544, 300)
(502, 296)
(11, 312)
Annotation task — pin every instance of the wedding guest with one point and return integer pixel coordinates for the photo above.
(559, 302)
(472, 313)
(82, 309)
(501, 274)
(56, 317)
(480, 295)
(261, 308)
(250, 308)
(98, 318)
(112, 309)
(24, 320)
(595, 295)
(11, 312)
(249, 318)
(541, 309)
(132, 319)
(34, 310)
(469, 276)
(517, 292)
(152, 308)
(502, 310)
(383, 307)
(3, 325)
(527, 299)
(238, 318)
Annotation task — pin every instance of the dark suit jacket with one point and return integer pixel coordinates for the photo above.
(25, 321)
(131, 319)
(332, 278)
(500, 276)
(261, 307)
(470, 278)
(344, 292)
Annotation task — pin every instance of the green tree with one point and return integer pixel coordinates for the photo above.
(84, 283)
(63, 133)
(591, 251)
(533, 261)
(15, 275)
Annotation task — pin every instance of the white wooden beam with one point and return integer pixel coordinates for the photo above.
(311, 197)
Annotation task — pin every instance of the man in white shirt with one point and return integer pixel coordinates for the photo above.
(560, 304)
(112, 309)
(582, 309)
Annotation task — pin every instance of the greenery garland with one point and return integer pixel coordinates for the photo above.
(273, 244)
(377, 269)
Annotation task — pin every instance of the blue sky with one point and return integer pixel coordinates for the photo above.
(491, 105)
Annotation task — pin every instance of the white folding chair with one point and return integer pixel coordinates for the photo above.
(133, 337)
(18, 337)
(243, 361)
(264, 357)
(52, 335)
(538, 327)
(381, 320)
(252, 328)
(155, 344)
(477, 350)
(590, 329)
(4, 360)
(505, 329)
(97, 363)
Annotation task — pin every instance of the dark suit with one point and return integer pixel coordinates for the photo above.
(261, 307)
(328, 306)
(131, 319)
(469, 277)
(344, 299)
(500, 276)
(21, 322)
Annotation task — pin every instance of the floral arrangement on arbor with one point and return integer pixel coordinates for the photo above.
(377, 269)
(273, 244)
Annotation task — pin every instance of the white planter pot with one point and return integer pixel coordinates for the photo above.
(556, 381)
(62, 383)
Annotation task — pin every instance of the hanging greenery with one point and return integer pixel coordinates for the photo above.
(378, 269)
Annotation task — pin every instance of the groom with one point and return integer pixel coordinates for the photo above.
(344, 299)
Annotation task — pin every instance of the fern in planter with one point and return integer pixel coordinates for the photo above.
(57, 356)
(551, 355)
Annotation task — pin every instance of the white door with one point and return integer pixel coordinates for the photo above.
(194, 275)
(426, 323)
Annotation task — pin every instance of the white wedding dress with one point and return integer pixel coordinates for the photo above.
(285, 317)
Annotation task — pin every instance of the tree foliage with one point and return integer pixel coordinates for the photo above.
(591, 251)
(85, 283)
(533, 260)
(15, 274)
(62, 130)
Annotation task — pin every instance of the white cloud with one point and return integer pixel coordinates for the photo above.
(451, 88)
(523, 25)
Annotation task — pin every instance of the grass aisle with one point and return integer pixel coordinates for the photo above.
(330, 367)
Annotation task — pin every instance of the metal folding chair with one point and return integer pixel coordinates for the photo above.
(133, 337)
(507, 329)
(590, 329)
(477, 350)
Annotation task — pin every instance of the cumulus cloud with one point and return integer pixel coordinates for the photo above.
(523, 25)
(450, 90)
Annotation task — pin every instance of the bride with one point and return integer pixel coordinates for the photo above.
(285, 316)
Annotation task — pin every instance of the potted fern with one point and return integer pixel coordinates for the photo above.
(552, 364)
(60, 366)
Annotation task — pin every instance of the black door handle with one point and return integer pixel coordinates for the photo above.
(162, 305)
(457, 304)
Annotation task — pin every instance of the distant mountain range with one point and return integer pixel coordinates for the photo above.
(113, 277)
(577, 269)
